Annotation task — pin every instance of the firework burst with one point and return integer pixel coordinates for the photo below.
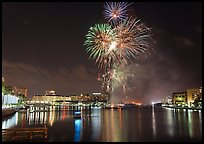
(115, 45)
(133, 38)
(119, 78)
(115, 11)
(98, 41)
(125, 42)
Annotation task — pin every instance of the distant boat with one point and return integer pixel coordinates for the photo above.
(77, 114)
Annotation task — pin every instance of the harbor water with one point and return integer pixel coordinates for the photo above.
(138, 124)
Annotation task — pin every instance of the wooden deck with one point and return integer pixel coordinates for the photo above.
(25, 134)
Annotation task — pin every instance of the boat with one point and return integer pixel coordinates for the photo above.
(77, 114)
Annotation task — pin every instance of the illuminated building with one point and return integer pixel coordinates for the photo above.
(167, 100)
(50, 98)
(61, 98)
(179, 98)
(50, 92)
(193, 94)
(9, 99)
(20, 91)
(201, 93)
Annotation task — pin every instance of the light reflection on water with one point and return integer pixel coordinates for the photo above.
(142, 124)
(153, 122)
(10, 122)
(77, 134)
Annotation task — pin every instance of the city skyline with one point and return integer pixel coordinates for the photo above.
(42, 48)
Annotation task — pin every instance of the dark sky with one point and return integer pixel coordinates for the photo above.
(42, 48)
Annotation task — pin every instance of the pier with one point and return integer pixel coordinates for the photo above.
(25, 134)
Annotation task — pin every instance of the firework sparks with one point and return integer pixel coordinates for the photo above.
(128, 41)
(115, 11)
(113, 46)
(133, 38)
(98, 41)
(119, 79)
(120, 75)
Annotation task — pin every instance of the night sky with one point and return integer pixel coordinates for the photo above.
(42, 48)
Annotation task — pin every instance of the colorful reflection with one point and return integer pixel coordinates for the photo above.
(10, 122)
(9, 99)
(113, 125)
(96, 122)
(153, 122)
(77, 130)
(180, 119)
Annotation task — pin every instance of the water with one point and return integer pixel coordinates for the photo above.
(142, 124)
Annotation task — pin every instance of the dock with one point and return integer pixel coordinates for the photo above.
(25, 134)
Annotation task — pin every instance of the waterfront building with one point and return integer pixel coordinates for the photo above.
(50, 98)
(95, 97)
(167, 100)
(99, 97)
(191, 97)
(194, 94)
(179, 98)
(50, 92)
(9, 99)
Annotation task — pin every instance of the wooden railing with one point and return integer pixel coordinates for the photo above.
(25, 134)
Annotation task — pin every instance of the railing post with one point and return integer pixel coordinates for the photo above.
(31, 134)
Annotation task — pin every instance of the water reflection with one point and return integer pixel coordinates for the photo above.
(143, 124)
(200, 122)
(153, 122)
(115, 128)
(96, 122)
(10, 121)
(170, 122)
(77, 132)
(139, 122)
(112, 125)
(184, 123)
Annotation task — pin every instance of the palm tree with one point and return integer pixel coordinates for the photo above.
(8, 90)
(3, 91)
(21, 98)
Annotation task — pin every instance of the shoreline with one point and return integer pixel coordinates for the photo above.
(188, 108)
(8, 111)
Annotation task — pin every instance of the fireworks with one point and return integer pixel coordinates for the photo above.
(133, 38)
(115, 45)
(98, 41)
(120, 44)
(121, 74)
(119, 78)
(115, 11)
